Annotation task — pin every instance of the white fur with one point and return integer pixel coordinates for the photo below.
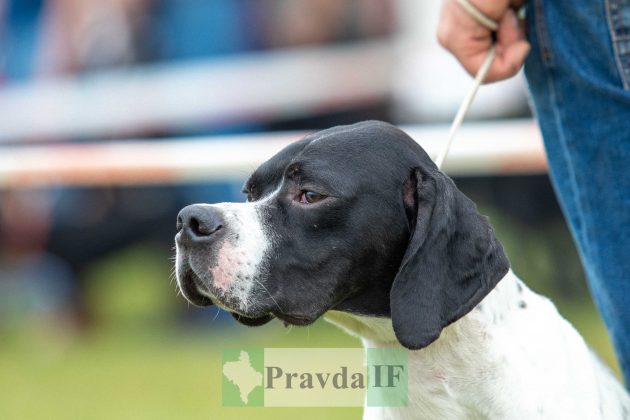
(512, 357)
(245, 248)
(236, 268)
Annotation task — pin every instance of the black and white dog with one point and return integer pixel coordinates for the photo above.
(357, 224)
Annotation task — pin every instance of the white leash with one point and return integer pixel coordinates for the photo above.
(479, 78)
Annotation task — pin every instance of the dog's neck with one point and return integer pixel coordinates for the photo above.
(444, 372)
(507, 296)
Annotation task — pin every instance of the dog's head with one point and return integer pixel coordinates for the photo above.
(354, 218)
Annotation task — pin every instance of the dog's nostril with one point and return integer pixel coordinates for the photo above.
(199, 222)
(202, 229)
(194, 226)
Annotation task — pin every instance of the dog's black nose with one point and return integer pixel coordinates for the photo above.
(199, 222)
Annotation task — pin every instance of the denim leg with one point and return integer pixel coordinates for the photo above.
(576, 74)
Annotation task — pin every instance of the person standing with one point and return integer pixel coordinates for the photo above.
(576, 55)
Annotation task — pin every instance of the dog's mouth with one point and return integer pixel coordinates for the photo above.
(296, 320)
(189, 284)
(190, 291)
(252, 322)
(256, 321)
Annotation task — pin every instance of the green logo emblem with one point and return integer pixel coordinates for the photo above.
(243, 377)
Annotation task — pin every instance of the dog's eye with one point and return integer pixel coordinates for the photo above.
(309, 197)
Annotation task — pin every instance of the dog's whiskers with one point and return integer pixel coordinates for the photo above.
(216, 315)
(269, 293)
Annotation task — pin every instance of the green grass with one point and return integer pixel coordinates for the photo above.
(135, 374)
(132, 373)
(137, 363)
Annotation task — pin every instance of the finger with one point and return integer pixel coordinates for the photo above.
(508, 62)
(510, 30)
(470, 42)
(473, 58)
(512, 49)
(458, 31)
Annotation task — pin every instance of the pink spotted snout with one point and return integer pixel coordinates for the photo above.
(219, 251)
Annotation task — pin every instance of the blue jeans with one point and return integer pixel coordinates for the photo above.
(579, 77)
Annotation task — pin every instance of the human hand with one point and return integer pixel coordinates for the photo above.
(469, 41)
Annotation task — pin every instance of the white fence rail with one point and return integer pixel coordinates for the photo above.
(274, 85)
(493, 148)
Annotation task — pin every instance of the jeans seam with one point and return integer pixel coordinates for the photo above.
(547, 59)
(616, 40)
(580, 230)
(541, 32)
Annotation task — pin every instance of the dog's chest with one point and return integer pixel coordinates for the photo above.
(513, 358)
(457, 377)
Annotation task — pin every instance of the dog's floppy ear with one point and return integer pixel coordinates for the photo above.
(452, 261)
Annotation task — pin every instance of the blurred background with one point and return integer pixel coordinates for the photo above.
(114, 114)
